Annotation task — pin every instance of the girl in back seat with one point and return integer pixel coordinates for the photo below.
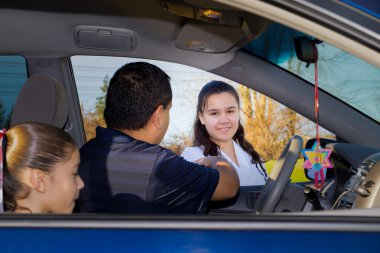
(38, 170)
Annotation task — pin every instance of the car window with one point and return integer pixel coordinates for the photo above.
(268, 124)
(13, 74)
(92, 81)
(341, 74)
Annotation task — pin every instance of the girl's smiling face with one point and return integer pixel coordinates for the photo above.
(221, 117)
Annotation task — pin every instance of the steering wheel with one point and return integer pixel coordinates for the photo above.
(271, 193)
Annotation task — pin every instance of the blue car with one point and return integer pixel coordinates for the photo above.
(275, 53)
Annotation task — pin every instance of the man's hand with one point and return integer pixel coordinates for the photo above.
(229, 182)
(209, 160)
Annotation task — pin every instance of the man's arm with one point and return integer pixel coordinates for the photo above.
(229, 183)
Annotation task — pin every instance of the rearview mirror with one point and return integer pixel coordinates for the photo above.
(305, 51)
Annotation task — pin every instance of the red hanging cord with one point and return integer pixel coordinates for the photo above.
(316, 111)
(316, 98)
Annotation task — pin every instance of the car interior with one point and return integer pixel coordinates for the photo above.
(223, 38)
(52, 108)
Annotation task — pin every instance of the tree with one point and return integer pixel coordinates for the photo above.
(90, 122)
(268, 125)
(177, 143)
(94, 117)
(100, 104)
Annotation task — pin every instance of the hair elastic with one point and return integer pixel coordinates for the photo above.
(3, 139)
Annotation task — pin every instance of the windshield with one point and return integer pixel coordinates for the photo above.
(341, 74)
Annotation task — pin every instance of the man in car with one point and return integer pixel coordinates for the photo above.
(124, 168)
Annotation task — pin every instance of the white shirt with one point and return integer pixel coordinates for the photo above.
(249, 173)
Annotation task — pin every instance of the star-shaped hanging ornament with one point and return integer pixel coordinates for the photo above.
(317, 159)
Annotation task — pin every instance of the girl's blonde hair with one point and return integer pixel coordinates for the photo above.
(31, 145)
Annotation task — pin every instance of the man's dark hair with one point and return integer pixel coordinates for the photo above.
(134, 93)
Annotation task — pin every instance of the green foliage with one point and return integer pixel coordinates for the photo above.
(94, 117)
(100, 103)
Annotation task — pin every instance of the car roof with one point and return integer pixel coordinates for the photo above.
(51, 32)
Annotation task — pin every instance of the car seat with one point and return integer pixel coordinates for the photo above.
(42, 99)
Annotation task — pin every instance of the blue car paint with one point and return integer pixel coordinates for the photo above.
(372, 7)
(131, 240)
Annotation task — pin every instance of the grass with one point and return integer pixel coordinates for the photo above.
(298, 174)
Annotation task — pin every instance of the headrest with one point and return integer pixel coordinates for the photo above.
(41, 99)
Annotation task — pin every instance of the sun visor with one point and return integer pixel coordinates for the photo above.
(212, 38)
